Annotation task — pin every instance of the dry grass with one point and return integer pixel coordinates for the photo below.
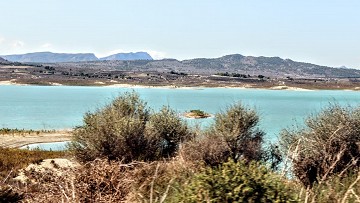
(104, 181)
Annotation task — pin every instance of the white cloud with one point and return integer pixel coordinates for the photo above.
(2, 40)
(156, 54)
(46, 45)
(17, 44)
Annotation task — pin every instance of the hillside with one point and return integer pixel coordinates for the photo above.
(269, 66)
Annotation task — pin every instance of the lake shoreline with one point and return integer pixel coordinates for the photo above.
(165, 86)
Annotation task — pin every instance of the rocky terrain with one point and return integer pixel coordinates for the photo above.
(236, 63)
(232, 70)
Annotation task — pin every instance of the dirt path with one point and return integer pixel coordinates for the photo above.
(21, 140)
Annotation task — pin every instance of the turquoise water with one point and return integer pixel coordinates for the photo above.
(54, 146)
(62, 107)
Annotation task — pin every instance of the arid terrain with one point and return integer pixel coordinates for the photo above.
(21, 139)
(227, 71)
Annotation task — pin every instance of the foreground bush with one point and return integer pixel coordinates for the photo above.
(126, 130)
(328, 145)
(237, 182)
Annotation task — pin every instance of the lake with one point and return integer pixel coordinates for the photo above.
(62, 107)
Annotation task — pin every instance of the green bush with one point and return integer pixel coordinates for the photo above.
(237, 182)
(126, 130)
(327, 145)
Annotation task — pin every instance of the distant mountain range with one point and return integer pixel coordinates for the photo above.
(2, 60)
(49, 57)
(271, 66)
(235, 63)
(249, 65)
(128, 56)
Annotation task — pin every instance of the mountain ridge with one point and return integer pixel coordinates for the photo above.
(233, 63)
(50, 57)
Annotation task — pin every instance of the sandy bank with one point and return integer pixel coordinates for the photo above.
(284, 87)
(11, 82)
(22, 140)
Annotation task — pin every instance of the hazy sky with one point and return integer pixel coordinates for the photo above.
(325, 32)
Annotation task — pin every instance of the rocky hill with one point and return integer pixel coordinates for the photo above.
(129, 56)
(272, 66)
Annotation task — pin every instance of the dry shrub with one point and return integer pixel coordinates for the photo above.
(210, 150)
(47, 186)
(125, 130)
(111, 181)
(234, 135)
(329, 144)
(114, 132)
(237, 126)
(160, 181)
(103, 181)
(165, 132)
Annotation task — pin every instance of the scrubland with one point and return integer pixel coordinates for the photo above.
(127, 152)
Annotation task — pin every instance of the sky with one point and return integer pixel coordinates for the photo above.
(324, 32)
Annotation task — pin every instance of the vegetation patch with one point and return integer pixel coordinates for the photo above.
(9, 131)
